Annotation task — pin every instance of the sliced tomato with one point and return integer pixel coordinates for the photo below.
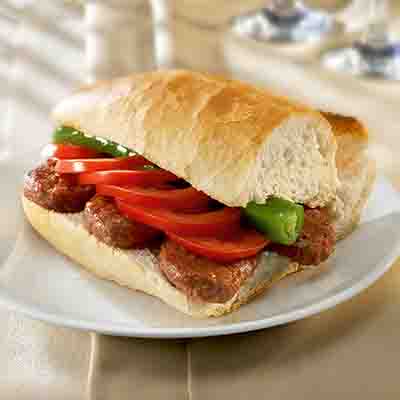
(99, 164)
(127, 177)
(243, 244)
(177, 199)
(67, 151)
(221, 222)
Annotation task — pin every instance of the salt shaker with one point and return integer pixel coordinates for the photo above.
(119, 38)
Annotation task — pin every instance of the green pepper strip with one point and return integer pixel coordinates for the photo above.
(281, 220)
(67, 135)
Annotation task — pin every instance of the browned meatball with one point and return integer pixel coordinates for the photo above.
(103, 219)
(61, 193)
(200, 278)
(316, 242)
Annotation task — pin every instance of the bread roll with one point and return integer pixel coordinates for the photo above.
(233, 141)
(356, 172)
(139, 269)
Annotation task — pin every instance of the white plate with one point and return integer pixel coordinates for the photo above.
(39, 282)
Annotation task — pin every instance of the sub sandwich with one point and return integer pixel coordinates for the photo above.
(196, 189)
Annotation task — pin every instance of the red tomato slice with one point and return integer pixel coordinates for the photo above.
(99, 164)
(221, 222)
(67, 151)
(132, 177)
(243, 244)
(177, 199)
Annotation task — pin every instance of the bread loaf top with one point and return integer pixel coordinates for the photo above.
(235, 142)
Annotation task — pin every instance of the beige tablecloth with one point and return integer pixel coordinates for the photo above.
(349, 352)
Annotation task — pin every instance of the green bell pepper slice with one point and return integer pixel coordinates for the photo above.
(280, 220)
(67, 135)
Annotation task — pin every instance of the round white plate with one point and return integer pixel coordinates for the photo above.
(39, 282)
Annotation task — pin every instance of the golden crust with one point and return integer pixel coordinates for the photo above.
(214, 132)
(356, 172)
(218, 101)
(342, 125)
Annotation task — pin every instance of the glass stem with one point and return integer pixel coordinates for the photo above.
(376, 33)
(283, 7)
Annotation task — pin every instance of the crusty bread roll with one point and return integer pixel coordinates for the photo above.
(233, 141)
(139, 269)
(356, 172)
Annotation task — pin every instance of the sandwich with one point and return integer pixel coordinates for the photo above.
(196, 189)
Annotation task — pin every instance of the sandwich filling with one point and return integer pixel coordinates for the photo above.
(205, 249)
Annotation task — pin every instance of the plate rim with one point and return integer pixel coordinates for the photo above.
(119, 329)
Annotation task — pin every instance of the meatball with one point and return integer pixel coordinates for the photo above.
(200, 278)
(61, 193)
(103, 220)
(316, 242)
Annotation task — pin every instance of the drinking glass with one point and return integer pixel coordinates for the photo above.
(284, 21)
(376, 54)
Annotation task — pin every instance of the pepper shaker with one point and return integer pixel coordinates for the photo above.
(119, 38)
